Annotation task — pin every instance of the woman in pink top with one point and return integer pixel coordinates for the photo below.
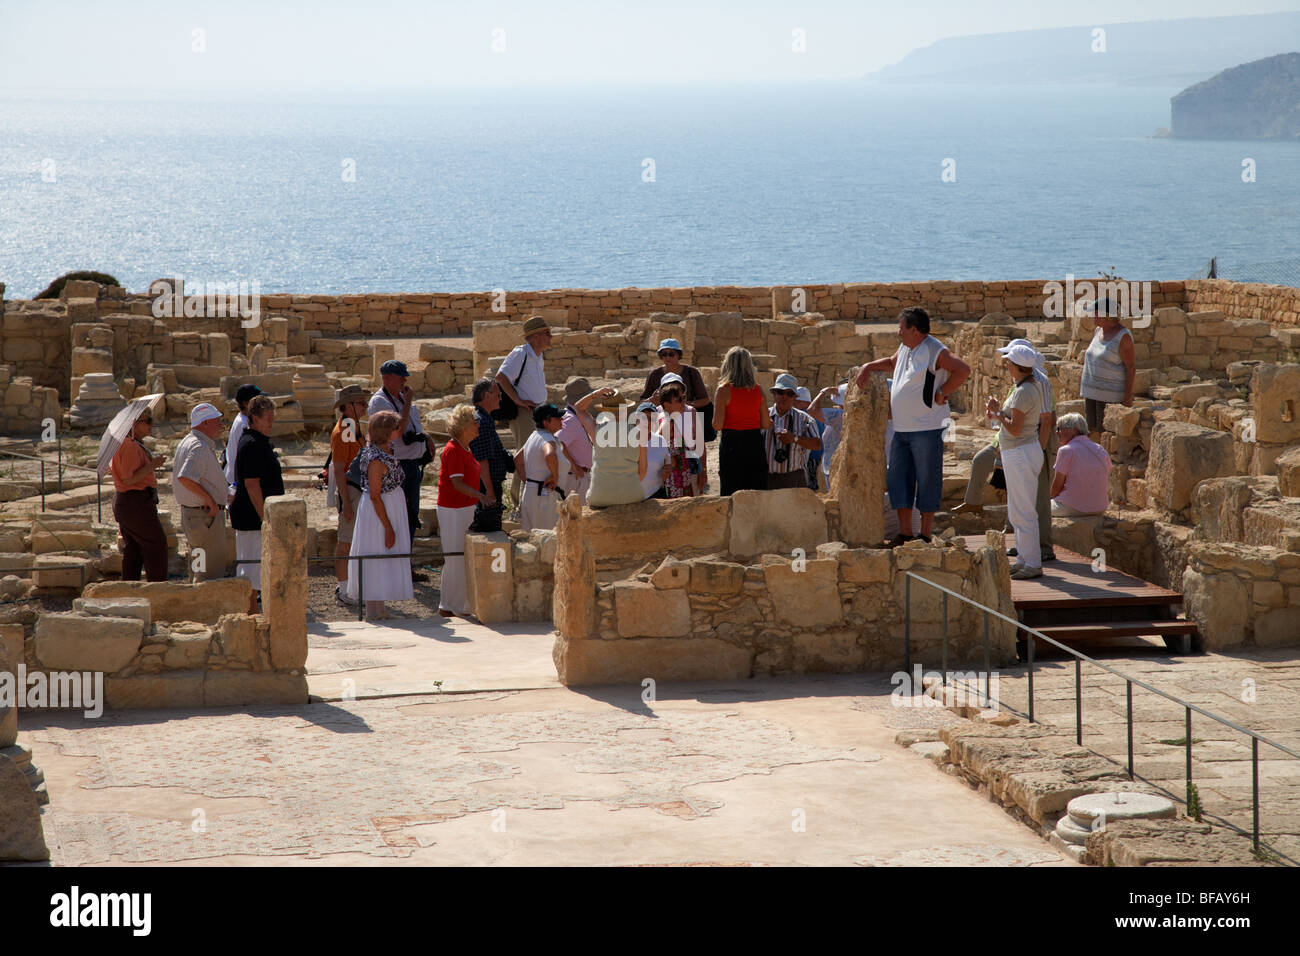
(1082, 470)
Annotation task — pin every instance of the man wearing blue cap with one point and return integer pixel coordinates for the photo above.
(411, 446)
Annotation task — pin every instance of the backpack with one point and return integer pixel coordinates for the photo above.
(508, 410)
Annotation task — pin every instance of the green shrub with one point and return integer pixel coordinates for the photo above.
(55, 288)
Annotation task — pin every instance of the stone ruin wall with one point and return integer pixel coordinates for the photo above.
(170, 644)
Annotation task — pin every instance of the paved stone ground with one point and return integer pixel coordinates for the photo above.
(781, 771)
(1258, 690)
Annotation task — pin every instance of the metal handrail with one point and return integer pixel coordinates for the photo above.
(361, 567)
(1079, 658)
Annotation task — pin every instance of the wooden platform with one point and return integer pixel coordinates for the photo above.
(1074, 604)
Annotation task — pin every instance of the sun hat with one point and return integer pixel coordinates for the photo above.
(670, 378)
(576, 389)
(203, 412)
(534, 324)
(670, 344)
(1023, 355)
(785, 382)
(1040, 361)
(394, 367)
(803, 394)
(838, 396)
(348, 394)
(647, 407)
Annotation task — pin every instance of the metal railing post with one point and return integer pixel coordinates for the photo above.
(1129, 693)
(99, 496)
(58, 439)
(987, 666)
(1078, 702)
(907, 627)
(1188, 738)
(42, 486)
(1029, 643)
(361, 587)
(1254, 788)
(945, 639)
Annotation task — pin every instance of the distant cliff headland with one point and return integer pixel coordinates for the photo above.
(1174, 53)
(1259, 100)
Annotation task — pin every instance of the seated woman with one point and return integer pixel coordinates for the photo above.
(1082, 470)
(618, 461)
(538, 464)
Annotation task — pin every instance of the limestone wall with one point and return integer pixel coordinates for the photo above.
(1278, 304)
(755, 584)
(165, 644)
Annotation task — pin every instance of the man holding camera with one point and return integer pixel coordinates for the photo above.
(522, 379)
(411, 446)
(792, 436)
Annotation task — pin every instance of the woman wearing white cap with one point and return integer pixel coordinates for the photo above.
(1022, 456)
(986, 459)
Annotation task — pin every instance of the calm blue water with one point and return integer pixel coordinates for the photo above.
(539, 189)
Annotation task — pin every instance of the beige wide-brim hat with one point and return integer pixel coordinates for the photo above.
(576, 389)
(350, 393)
(534, 324)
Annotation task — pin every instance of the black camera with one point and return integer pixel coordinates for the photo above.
(781, 455)
(412, 437)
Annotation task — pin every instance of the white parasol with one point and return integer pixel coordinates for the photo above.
(119, 429)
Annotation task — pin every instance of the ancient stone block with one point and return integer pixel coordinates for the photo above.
(116, 607)
(21, 835)
(671, 574)
(172, 601)
(808, 597)
(776, 522)
(858, 467)
(828, 652)
(489, 576)
(284, 579)
(574, 603)
(1220, 604)
(80, 642)
(642, 610)
(1275, 394)
(716, 577)
(188, 646)
(1279, 627)
(662, 659)
(1182, 455)
(241, 688)
(652, 527)
(238, 635)
(154, 691)
(865, 565)
(1288, 473)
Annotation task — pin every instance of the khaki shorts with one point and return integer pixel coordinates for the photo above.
(345, 526)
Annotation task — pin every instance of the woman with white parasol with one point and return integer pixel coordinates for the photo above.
(135, 504)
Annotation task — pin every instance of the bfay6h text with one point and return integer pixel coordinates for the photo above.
(76, 909)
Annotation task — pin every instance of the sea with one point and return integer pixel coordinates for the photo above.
(462, 189)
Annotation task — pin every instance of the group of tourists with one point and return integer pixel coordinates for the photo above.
(655, 448)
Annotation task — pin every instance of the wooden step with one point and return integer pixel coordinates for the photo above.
(1067, 633)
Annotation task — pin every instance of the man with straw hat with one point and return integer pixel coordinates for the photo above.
(522, 379)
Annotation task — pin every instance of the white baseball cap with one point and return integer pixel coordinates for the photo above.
(203, 412)
(1023, 355)
(1040, 360)
(803, 394)
(671, 377)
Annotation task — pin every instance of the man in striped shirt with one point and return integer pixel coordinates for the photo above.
(792, 436)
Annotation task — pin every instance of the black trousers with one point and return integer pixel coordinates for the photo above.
(412, 475)
(144, 541)
(742, 460)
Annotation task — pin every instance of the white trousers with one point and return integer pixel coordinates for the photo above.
(452, 525)
(1021, 467)
(571, 484)
(538, 512)
(248, 547)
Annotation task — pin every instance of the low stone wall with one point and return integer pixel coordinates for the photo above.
(510, 576)
(26, 407)
(163, 644)
(777, 595)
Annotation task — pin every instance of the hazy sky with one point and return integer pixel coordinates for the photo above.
(270, 45)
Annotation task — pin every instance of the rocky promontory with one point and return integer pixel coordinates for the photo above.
(1258, 100)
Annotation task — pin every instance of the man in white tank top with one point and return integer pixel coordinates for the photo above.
(924, 374)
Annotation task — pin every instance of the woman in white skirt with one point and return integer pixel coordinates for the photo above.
(1022, 457)
(538, 464)
(459, 491)
(375, 532)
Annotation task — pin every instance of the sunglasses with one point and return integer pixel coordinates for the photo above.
(785, 392)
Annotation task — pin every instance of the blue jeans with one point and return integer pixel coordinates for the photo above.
(915, 476)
